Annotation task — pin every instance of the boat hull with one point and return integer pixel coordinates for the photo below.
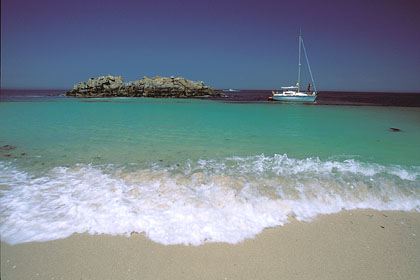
(309, 98)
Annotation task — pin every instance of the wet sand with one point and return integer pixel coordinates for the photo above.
(360, 244)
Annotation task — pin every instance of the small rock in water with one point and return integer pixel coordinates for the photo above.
(393, 129)
(7, 147)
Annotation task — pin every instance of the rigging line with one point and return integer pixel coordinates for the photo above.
(309, 66)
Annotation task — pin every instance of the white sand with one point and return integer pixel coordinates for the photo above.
(349, 245)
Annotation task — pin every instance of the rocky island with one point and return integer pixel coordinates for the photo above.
(110, 86)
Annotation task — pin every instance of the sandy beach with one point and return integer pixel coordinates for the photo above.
(360, 244)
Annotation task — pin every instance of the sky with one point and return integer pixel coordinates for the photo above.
(369, 45)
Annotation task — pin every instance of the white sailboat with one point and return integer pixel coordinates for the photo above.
(293, 93)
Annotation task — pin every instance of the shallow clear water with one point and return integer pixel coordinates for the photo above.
(194, 171)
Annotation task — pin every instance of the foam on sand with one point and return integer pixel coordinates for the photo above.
(195, 202)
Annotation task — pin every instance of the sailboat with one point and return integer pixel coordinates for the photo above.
(293, 93)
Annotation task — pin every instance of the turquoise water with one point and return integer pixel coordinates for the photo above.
(69, 131)
(220, 159)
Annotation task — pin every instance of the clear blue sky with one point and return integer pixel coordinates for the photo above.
(352, 45)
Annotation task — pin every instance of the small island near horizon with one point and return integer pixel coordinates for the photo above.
(157, 87)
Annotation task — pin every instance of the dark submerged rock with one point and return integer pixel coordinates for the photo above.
(393, 129)
(158, 87)
(7, 148)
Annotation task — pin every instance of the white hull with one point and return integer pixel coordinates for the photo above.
(294, 98)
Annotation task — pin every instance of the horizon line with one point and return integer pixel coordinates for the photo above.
(247, 89)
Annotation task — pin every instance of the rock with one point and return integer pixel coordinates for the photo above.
(7, 148)
(393, 129)
(110, 86)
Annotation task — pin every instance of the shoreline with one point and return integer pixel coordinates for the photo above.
(357, 244)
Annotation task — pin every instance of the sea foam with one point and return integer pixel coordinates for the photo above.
(225, 200)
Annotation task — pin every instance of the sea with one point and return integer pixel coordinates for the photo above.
(193, 171)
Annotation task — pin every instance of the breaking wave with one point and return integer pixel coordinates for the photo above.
(195, 202)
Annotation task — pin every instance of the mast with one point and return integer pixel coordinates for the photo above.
(299, 66)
